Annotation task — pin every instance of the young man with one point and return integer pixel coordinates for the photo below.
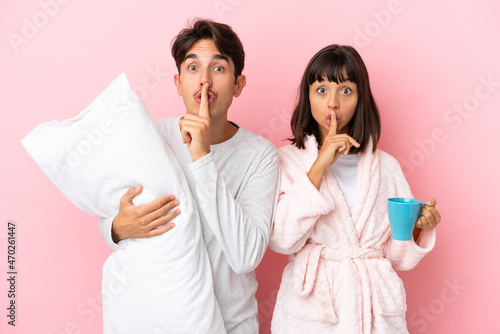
(232, 173)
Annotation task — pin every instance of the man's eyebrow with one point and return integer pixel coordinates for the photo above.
(217, 56)
(191, 56)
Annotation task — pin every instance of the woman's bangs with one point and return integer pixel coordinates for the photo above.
(334, 69)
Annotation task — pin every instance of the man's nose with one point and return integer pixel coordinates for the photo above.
(205, 78)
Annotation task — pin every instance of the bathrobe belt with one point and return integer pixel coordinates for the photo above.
(306, 265)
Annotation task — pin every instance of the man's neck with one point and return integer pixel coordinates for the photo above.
(221, 130)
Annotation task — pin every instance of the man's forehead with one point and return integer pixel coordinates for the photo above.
(203, 48)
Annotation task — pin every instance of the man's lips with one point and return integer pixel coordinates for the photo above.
(211, 97)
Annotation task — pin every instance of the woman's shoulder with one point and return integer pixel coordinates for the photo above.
(294, 160)
(310, 145)
(291, 152)
(386, 157)
(287, 149)
(388, 163)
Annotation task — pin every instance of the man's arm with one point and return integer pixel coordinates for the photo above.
(241, 225)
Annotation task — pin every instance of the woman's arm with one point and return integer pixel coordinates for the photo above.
(300, 205)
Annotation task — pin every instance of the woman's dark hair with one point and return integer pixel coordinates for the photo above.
(337, 63)
(221, 34)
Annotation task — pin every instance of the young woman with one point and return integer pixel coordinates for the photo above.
(332, 213)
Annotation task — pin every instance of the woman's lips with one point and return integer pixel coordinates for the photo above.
(329, 119)
(211, 97)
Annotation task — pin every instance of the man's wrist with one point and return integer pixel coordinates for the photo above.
(196, 157)
(114, 236)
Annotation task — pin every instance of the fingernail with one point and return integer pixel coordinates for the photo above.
(137, 188)
(172, 197)
(176, 203)
(178, 211)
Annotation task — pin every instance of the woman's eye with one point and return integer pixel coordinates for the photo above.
(192, 67)
(321, 90)
(218, 68)
(347, 91)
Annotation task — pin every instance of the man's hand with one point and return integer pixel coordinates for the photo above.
(195, 129)
(143, 221)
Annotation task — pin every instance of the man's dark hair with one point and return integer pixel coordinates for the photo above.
(221, 34)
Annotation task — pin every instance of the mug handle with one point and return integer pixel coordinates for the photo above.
(421, 205)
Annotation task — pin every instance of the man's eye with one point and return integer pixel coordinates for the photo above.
(218, 68)
(192, 67)
(321, 90)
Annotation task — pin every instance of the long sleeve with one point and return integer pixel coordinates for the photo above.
(300, 205)
(105, 230)
(241, 225)
(405, 255)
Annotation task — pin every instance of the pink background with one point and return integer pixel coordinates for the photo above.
(429, 64)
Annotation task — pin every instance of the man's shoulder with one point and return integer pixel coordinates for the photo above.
(167, 121)
(258, 142)
(165, 126)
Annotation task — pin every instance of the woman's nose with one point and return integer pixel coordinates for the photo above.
(333, 102)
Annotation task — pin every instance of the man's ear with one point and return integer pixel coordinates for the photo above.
(177, 82)
(241, 82)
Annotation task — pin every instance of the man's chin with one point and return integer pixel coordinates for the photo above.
(197, 112)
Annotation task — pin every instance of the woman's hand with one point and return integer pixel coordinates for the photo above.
(428, 220)
(332, 146)
(430, 216)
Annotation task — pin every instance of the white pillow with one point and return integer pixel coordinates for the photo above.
(160, 284)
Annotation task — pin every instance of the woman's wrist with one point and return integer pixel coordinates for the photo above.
(416, 233)
(315, 174)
